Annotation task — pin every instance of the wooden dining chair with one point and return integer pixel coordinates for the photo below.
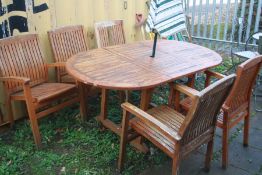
(109, 33)
(66, 42)
(175, 134)
(24, 74)
(237, 106)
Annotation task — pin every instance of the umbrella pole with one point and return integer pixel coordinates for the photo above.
(154, 46)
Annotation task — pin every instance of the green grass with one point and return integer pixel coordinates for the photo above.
(74, 147)
(70, 146)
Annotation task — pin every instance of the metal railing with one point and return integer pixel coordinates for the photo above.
(223, 21)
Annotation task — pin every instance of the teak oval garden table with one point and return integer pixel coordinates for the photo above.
(130, 67)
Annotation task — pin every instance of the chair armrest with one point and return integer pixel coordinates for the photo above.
(186, 90)
(214, 74)
(210, 74)
(57, 64)
(147, 118)
(176, 90)
(22, 80)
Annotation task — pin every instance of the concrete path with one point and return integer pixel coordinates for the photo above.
(242, 161)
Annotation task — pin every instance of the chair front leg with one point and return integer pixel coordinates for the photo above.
(123, 141)
(32, 115)
(176, 160)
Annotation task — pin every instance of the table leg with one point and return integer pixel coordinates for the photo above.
(104, 96)
(144, 105)
(83, 92)
(103, 108)
(191, 80)
(106, 123)
(145, 99)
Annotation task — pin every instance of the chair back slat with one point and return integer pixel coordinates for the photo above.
(22, 56)
(246, 77)
(203, 115)
(109, 33)
(66, 42)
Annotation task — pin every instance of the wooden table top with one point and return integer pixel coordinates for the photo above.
(130, 67)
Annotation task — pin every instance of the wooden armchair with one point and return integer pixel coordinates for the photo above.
(237, 106)
(24, 75)
(175, 134)
(109, 33)
(66, 42)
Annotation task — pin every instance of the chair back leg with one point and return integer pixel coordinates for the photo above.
(35, 128)
(9, 111)
(225, 145)
(209, 154)
(246, 129)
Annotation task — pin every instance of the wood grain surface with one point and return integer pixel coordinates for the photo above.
(130, 67)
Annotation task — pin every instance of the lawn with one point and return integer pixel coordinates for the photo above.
(74, 147)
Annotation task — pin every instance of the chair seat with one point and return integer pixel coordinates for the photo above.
(168, 117)
(246, 54)
(46, 91)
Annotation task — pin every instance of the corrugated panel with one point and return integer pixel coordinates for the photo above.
(39, 16)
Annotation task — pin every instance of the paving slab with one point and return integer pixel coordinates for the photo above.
(255, 138)
(245, 158)
(191, 165)
(242, 160)
(217, 170)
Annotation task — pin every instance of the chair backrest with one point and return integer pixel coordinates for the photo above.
(202, 117)
(241, 92)
(22, 56)
(109, 33)
(67, 41)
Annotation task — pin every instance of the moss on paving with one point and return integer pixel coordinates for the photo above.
(74, 147)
